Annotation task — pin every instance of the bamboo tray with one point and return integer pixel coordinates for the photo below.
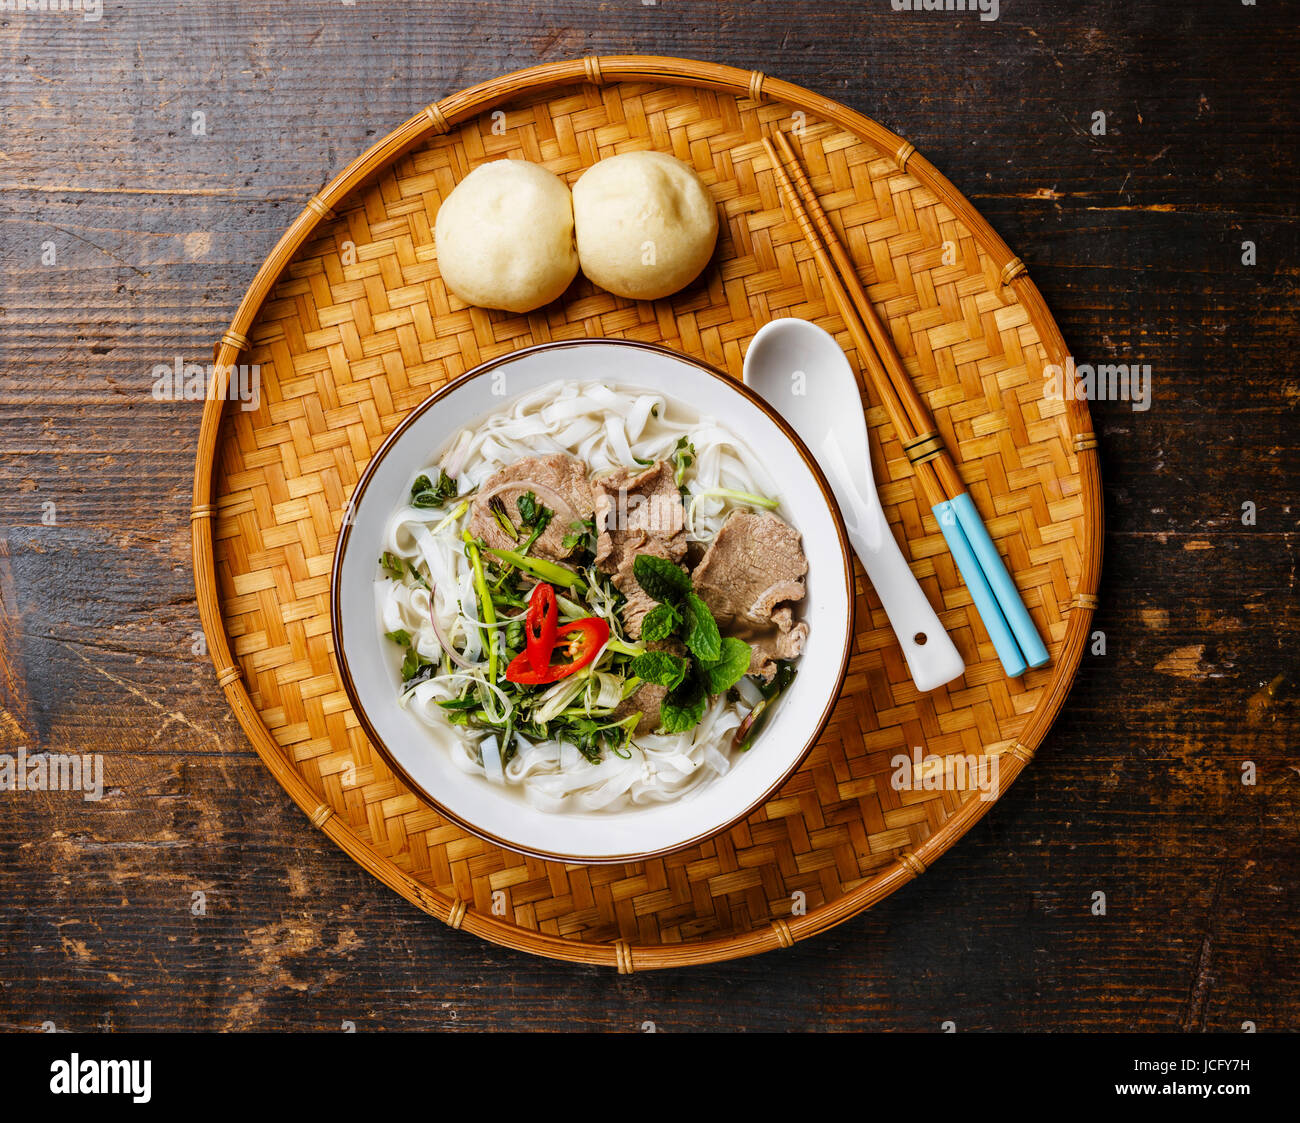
(351, 327)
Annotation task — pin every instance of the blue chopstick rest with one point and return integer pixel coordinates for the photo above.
(981, 592)
(1004, 589)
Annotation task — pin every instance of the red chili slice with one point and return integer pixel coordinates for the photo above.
(541, 625)
(582, 641)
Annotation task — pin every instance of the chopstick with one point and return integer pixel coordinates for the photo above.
(996, 598)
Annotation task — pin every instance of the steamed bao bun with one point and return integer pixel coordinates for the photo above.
(646, 224)
(505, 237)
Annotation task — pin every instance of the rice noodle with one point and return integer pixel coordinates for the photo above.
(607, 428)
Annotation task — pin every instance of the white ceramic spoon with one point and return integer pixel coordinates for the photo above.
(804, 374)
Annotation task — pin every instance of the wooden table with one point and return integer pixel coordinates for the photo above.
(149, 162)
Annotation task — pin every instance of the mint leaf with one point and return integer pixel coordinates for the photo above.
(702, 635)
(401, 637)
(659, 667)
(663, 580)
(685, 704)
(730, 667)
(659, 623)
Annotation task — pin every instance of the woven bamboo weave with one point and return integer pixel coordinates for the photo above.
(351, 326)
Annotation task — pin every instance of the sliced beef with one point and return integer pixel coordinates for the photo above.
(749, 577)
(557, 480)
(638, 511)
(649, 699)
(770, 647)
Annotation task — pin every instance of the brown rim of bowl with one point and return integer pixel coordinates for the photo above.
(336, 628)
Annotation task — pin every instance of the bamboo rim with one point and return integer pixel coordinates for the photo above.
(440, 118)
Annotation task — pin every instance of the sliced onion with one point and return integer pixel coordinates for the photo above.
(452, 654)
(555, 499)
(456, 461)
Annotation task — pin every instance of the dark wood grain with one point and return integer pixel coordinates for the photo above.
(1135, 239)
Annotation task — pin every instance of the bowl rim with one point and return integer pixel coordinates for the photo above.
(336, 620)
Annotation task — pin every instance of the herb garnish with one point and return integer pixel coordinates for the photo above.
(426, 494)
(582, 534)
(683, 458)
(534, 518)
(394, 566)
(754, 720)
(397, 568)
(712, 666)
(415, 667)
(502, 517)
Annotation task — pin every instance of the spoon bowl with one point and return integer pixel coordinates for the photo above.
(805, 375)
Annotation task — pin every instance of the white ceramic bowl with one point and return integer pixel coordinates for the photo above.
(412, 749)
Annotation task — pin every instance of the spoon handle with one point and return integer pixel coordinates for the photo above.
(931, 657)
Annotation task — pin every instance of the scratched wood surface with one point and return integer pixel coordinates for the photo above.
(194, 895)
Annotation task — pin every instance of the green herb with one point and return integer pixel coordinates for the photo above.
(457, 512)
(663, 580)
(757, 717)
(616, 646)
(715, 664)
(784, 677)
(659, 667)
(459, 703)
(683, 458)
(426, 494)
(534, 534)
(529, 508)
(534, 518)
(702, 635)
(550, 571)
(485, 602)
(511, 745)
(502, 517)
(581, 533)
(398, 569)
(415, 668)
(660, 623)
(730, 666)
(587, 734)
(685, 704)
